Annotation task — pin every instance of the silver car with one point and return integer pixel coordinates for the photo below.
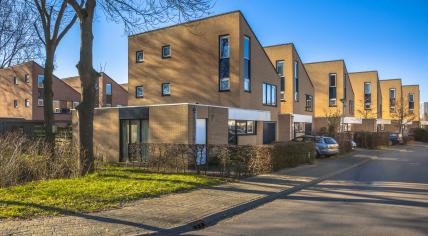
(324, 146)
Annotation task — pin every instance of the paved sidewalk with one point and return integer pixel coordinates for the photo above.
(174, 210)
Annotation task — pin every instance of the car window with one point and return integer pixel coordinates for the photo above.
(329, 141)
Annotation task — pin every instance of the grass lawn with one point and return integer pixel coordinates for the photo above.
(106, 189)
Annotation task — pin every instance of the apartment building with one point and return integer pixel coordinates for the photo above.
(21, 94)
(411, 99)
(391, 91)
(207, 81)
(368, 99)
(296, 91)
(109, 92)
(334, 95)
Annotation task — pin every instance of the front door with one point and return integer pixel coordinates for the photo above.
(132, 132)
(269, 132)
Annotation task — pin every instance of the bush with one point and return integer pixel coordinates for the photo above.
(23, 159)
(224, 160)
(371, 140)
(345, 142)
(420, 135)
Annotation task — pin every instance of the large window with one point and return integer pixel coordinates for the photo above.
(139, 56)
(224, 64)
(139, 91)
(392, 97)
(296, 81)
(367, 95)
(15, 103)
(239, 128)
(269, 94)
(166, 51)
(109, 95)
(166, 89)
(247, 64)
(27, 78)
(15, 80)
(351, 107)
(411, 102)
(280, 71)
(56, 105)
(27, 102)
(332, 95)
(40, 79)
(309, 103)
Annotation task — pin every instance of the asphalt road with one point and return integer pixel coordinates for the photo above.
(388, 195)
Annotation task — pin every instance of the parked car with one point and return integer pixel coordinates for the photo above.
(354, 144)
(324, 146)
(395, 139)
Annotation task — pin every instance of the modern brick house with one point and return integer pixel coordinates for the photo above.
(110, 93)
(334, 96)
(296, 91)
(21, 94)
(411, 99)
(207, 81)
(391, 91)
(368, 100)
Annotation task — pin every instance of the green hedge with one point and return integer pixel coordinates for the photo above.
(292, 154)
(371, 140)
(420, 135)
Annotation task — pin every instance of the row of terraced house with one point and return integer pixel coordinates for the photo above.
(211, 81)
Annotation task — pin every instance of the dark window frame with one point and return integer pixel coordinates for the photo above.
(220, 60)
(330, 97)
(411, 103)
(170, 53)
(369, 96)
(309, 108)
(136, 56)
(296, 80)
(249, 63)
(162, 93)
(136, 91)
(235, 127)
(15, 103)
(273, 102)
(392, 100)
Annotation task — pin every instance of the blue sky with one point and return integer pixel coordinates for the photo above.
(390, 36)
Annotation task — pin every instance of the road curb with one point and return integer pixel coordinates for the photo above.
(214, 218)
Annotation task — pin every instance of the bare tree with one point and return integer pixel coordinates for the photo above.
(18, 41)
(403, 114)
(55, 20)
(134, 14)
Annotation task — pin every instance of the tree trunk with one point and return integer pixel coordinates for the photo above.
(86, 107)
(48, 97)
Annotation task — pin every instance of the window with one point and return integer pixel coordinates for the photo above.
(109, 95)
(40, 79)
(392, 96)
(367, 96)
(27, 78)
(351, 107)
(108, 89)
(56, 106)
(242, 127)
(296, 81)
(166, 89)
(166, 51)
(332, 90)
(411, 102)
(139, 92)
(139, 56)
(309, 102)
(224, 66)
(344, 85)
(247, 64)
(15, 80)
(40, 102)
(269, 94)
(27, 102)
(15, 103)
(280, 71)
(75, 104)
